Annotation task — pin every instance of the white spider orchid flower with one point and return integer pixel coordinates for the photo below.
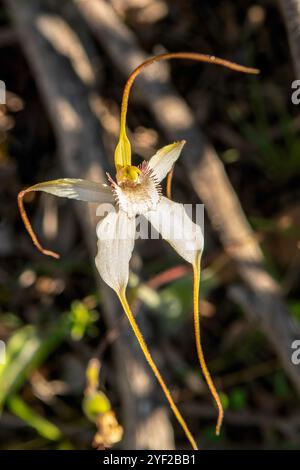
(135, 192)
(138, 192)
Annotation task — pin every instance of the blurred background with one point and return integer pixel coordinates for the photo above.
(64, 64)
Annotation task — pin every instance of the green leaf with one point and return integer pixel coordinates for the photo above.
(43, 427)
(25, 351)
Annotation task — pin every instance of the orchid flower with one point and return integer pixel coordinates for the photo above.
(136, 191)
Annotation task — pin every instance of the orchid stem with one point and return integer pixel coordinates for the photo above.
(211, 386)
(144, 347)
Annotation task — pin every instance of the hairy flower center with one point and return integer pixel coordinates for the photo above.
(136, 190)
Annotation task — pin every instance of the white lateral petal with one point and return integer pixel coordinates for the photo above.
(175, 226)
(116, 234)
(79, 189)
(162, 162)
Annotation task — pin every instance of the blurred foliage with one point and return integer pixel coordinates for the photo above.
(42, 426)
(97, 408)
(278, 157)
(26, 350)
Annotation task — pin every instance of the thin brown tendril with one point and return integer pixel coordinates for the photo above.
(209, 381)
(29, 227)
(175, 55)
(144, 348)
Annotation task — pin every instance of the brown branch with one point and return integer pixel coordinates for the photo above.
(7, 37)
(291, 14)
(208, 177)
(66, 87)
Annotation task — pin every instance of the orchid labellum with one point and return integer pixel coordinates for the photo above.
(136, 191)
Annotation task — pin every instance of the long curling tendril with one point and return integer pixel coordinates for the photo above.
(168, 56)
(144, 348)
(209, 381)
(28, 224)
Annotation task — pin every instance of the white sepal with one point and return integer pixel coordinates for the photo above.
(116, 234)
(79, 189)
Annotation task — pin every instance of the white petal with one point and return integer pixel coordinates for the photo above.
(116, 233)
(172, 222)
(162, 162)
(79, 189)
